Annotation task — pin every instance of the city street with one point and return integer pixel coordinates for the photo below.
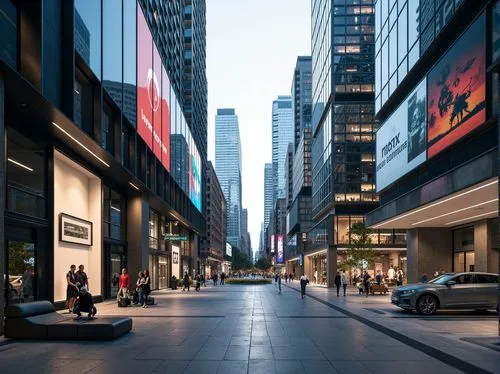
(253, 329)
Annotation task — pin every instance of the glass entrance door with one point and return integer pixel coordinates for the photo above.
(162, 272)
(21, 284)
(117, 260)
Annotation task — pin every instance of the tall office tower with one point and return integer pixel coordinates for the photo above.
(213, 244)
(228, 168)
(289, 175)
(434, 63)
(268, 193)
(302, 97)
(282, 126)
(343, 183)
(246, 245)
(195, 77)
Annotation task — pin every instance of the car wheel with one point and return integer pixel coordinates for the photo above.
(427, 304)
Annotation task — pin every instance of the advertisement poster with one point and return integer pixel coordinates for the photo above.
(175, 261)
(145, 81)
(229, 249)
(195, 178)
(456, 90)
(155, 93)
(401, 140)
(280, 249)
(165, 115)
(272, 243)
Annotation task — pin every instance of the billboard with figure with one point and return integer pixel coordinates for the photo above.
(280, 257)
(457, 90)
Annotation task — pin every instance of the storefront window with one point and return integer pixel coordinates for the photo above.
(343, 230)
(386, 237)
(88, 33)
(153, 229)
(21, 272)
(26, 176)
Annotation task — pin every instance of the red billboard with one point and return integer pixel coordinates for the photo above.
(155, 92)
(456, 98)
(145, 82)
(165, 115)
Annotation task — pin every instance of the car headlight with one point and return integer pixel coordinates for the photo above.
(407, 293)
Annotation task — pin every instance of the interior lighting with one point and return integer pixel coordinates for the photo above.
(115, 208)
(455, 211)
(435, 204)
(133, 186)
(19, 164)
(80, 144)
(469, 218)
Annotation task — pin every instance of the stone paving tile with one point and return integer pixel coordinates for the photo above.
(205, 367)
(237, 353)
(233, 367)
(262, 367)
(171, 367)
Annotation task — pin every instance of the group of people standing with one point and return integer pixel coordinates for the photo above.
(215, 278)
(76, 281)
(142, 287)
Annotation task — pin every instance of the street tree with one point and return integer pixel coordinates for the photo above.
(360, 253)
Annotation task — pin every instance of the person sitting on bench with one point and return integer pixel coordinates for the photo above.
(85, 304)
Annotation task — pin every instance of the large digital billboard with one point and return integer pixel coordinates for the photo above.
(401, 140)
(165, 115)
(156, 99)
(146, 84)
(272, 243)
(279, 259)
(195, 177)
(229, 249)
(456, 90)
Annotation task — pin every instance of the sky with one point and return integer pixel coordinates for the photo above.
(252, 48)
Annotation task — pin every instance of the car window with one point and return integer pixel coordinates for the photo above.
(442, 279)
(463, 279)
(486, 278)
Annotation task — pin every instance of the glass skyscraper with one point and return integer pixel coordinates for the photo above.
(228, 169)
(282, 135)
(268, 193)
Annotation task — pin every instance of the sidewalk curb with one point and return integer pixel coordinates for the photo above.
(422, 347)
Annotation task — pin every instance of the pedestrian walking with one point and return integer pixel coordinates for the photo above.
(303, 283)
(276, 278)
(366, 282)
(71, 288)
(399, 278)
(337, 282)
(198, 282)
(123, 284)
(222, 278)
(344, 279)
(185, 282)
(286, 278)
(279, 284)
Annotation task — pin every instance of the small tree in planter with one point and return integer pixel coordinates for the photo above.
(360, 253)
(263, 264)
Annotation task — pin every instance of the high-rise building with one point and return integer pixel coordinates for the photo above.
(268, 193)
(301, 97)
(282, 128)
(289, 176)
(343, 172)
(213, 244)
(228, 168)
(437, 145)
(246, 244)
(103, 147)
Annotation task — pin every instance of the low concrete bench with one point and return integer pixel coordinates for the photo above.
(40, 321)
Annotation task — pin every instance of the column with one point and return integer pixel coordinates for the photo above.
(137, 234)
(485, 258)
(428, 249)
(3, 256)
(331, 264)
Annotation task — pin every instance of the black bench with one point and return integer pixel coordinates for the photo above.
(40, 321)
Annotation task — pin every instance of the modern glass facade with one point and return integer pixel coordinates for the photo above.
(302, 97)
(268, 193)
(228, 168)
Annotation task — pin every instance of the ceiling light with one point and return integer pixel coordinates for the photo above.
(19, 164)
(115, 208)
(133, 186)
(469, 218)
(80, 144)
(434, 204)
(455, 211)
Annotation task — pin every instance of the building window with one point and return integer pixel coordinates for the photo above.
(88, 33)
(107, 129)
(112, 60)
(83, 108)
(113, 215)
(154, 221)
(8, 29)
(26, 176)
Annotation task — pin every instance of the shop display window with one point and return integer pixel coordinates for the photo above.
(21, 260)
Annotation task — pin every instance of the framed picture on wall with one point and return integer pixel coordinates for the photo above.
(74, 230)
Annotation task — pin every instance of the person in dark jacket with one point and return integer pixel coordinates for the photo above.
(366, 282)
(185, 282)
(85, 304)
(337, 282)
(146, 287)
(198, 282)
(303, 283)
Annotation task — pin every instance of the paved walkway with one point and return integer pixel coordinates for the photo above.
(242, 329)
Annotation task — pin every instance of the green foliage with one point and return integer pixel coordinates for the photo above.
(263, 263)
(19, 258)
(240, 260)
(248, 281)
(360, 252)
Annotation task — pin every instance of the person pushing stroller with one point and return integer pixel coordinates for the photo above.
(85, 304)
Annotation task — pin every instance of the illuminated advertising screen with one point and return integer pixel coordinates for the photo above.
(456, 90)
(165, 115)
(195, 178)
(401, 141)
(147, 85)
(229, 249)
(272, 243)
(279, 259)
(156, 99)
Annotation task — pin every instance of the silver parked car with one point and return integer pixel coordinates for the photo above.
(471, 290)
